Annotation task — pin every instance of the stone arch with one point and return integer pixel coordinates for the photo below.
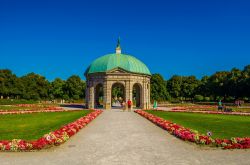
(137, 95)
(118, 93)
(108, 80)
(98, 95)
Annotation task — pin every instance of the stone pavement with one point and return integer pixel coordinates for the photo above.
(121, 138)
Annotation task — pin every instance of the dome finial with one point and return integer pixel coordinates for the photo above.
(118, 47)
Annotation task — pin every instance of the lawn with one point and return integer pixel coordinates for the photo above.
(34, 126)
(31, 107)
(221, 126)
(200, 107)
(12, 107)
(245, 109)
(13, 101)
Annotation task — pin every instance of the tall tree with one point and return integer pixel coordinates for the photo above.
(36, 86)
(158, 88)
(189, 86)
(174, 85)
(9, 84)
(74, 87)
(57, 88)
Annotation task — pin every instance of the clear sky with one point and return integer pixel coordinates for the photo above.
(184, 37)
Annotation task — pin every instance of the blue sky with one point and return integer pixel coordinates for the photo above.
(61, 38)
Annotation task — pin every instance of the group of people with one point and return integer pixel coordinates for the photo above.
(128, 105)
(125, 105)
(238, 103)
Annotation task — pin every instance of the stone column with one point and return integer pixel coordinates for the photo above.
(131, 90)
(128, 90)
(144, 95)
(87, 97)
(107, 94)
(91, 102)
(149, 100)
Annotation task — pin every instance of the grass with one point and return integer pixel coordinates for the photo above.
(38, 107)
(193, 107)
(34, 126)
(236, 109)
(14, 101)
(221, 126)
(3, 107)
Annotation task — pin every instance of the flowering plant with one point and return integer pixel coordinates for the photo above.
(194, 136)
(213, 112)
(51, 139)
(33, 107)
(31, 111)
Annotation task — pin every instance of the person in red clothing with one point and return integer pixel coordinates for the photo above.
(129, 104)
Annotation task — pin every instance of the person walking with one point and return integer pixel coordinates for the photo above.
(220, 107)
(129, 104)
(123, 106)
(155, 105)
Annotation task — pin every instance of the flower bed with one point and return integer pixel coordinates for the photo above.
(32, 111)
(44, 109)
(31, 107)
(179, 108)
(51, 139)
(193, 136)
(213, 112)
(196, 107)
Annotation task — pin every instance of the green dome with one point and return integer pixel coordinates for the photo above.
(123, 61)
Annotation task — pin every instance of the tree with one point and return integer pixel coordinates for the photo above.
(233, 83)
(189, 86)
(228, 85)
(245, 81)
(217, 84)
(57, 88)
(174, 86)
(10, 86)
(74, 87)
(204, 88)
(36, 87)
(83, 89)
(158, 88)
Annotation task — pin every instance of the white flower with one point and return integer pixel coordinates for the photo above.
(209, 133)
(48, 138)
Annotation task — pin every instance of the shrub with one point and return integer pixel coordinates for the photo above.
(246, 99)
(218, 98)
(229, 99)
(76, 97)
(198, 98)
(207, 99)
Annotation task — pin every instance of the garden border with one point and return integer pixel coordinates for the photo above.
(206, 112)
(187, 134)
(9, 112)
(54, 138)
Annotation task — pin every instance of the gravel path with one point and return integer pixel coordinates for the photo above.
(117, 137)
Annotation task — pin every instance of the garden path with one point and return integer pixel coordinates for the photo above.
(118, 138)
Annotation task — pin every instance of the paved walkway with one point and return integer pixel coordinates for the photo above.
(119, 138)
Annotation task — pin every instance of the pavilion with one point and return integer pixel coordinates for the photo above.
(125, 74)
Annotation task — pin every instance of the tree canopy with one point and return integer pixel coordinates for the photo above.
(36, 87)
(227, 85)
